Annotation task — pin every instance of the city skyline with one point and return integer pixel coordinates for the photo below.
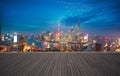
(96, 16)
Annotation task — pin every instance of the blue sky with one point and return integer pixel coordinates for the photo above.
(96, 16)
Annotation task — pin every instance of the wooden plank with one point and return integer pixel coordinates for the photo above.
(59, 64)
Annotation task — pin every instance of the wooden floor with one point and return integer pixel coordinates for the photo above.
(60, 64)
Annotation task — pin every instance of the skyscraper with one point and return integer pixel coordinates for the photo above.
(58, 27)
(78, 29)
(15, 37)
(72, 29)
(59, 33)
(72, 32)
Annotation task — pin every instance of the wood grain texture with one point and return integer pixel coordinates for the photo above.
(59, 64)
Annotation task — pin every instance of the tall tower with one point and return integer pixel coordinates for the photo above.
(59, 33)
(72, 29)
(15, 38)
(58, 27)
(78, 27)
(72, 32)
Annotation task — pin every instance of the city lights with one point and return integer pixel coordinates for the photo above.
(15, 38)
(73, 40)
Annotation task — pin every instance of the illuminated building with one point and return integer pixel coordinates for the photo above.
(3, 39)
(15, 37)
(26, 48)
(72, 29)
(86, 38)
(119, 41)
(7, 37)
(106, 39)
(59, 33)
(33, 44)
(72, 32)
(59, 28)
(78, 29)
(78, 32)
(69, 35)
(106, 45)
(94, 41)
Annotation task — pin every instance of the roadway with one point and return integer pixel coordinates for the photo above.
(59, 64)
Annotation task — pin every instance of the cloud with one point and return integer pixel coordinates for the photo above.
(41, 15)
(84, 17)
(105, 9)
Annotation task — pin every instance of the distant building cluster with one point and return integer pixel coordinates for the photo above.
(58, 41)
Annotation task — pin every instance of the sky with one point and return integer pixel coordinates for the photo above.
(36, 16)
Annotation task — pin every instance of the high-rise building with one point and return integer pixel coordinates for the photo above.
(72, 32)
(72, 29)
(3, 38)
(59, 32)
(85, 38)
(15, 38)
(78, 29)
(59, 27)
